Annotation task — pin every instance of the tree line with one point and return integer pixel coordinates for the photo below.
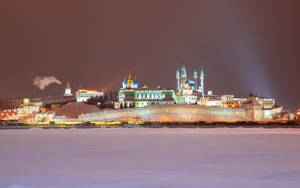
(108, 100)
(105, 101)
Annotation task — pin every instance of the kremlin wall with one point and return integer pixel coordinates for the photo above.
(168, 113)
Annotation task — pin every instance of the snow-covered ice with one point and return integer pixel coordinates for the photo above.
(143, 157)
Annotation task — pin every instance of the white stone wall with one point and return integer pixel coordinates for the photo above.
(169, 113)
(85, 96)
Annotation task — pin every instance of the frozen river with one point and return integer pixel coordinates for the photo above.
(141, 157)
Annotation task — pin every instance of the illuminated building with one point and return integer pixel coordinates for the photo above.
(298, 114)
(83, 95)
(253, 108)
(183, 81)
(185, 96)
(188, 90)
(257, 108)
(233, 102)
(130, 95)
(8, 114)
(68, 90)
(141, 97)
(224, 101)
(25, 108)
(266, 103)
(28, 109)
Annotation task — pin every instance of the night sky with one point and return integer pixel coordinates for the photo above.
(243, 45)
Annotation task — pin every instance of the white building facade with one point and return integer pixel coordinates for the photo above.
(83, 95)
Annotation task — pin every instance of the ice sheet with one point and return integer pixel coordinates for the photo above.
(143, 157)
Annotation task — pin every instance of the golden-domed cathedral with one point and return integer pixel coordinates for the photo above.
(129, 83)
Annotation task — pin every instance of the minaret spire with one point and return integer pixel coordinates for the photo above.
(202, 81)
(183, 75)
(178, 78)
(195, 80)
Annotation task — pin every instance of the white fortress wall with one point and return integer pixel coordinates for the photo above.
(168, 113)
(268, 114)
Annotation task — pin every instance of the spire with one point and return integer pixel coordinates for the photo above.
(195, 73)
(129, 81)
(68, 85)
(183, 70)
(178, 78)
(202, 81)
(182, 63)
(68, 90)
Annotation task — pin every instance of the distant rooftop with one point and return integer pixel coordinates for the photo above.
(88, 91)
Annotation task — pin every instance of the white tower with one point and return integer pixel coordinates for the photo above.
(195, 80)
(68, 90)
(202, 81)
(178, 78)
(183, 75)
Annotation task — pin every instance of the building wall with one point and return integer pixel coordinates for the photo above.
(269, 114)
(84, 95)
(182, 113)
(68, 92)
(149, 103)
(222, 101)
(267, 103)
(186, 99)
(169, 113)
(232, 102)
(145, 97)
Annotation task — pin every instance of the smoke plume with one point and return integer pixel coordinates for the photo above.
(43, 82)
